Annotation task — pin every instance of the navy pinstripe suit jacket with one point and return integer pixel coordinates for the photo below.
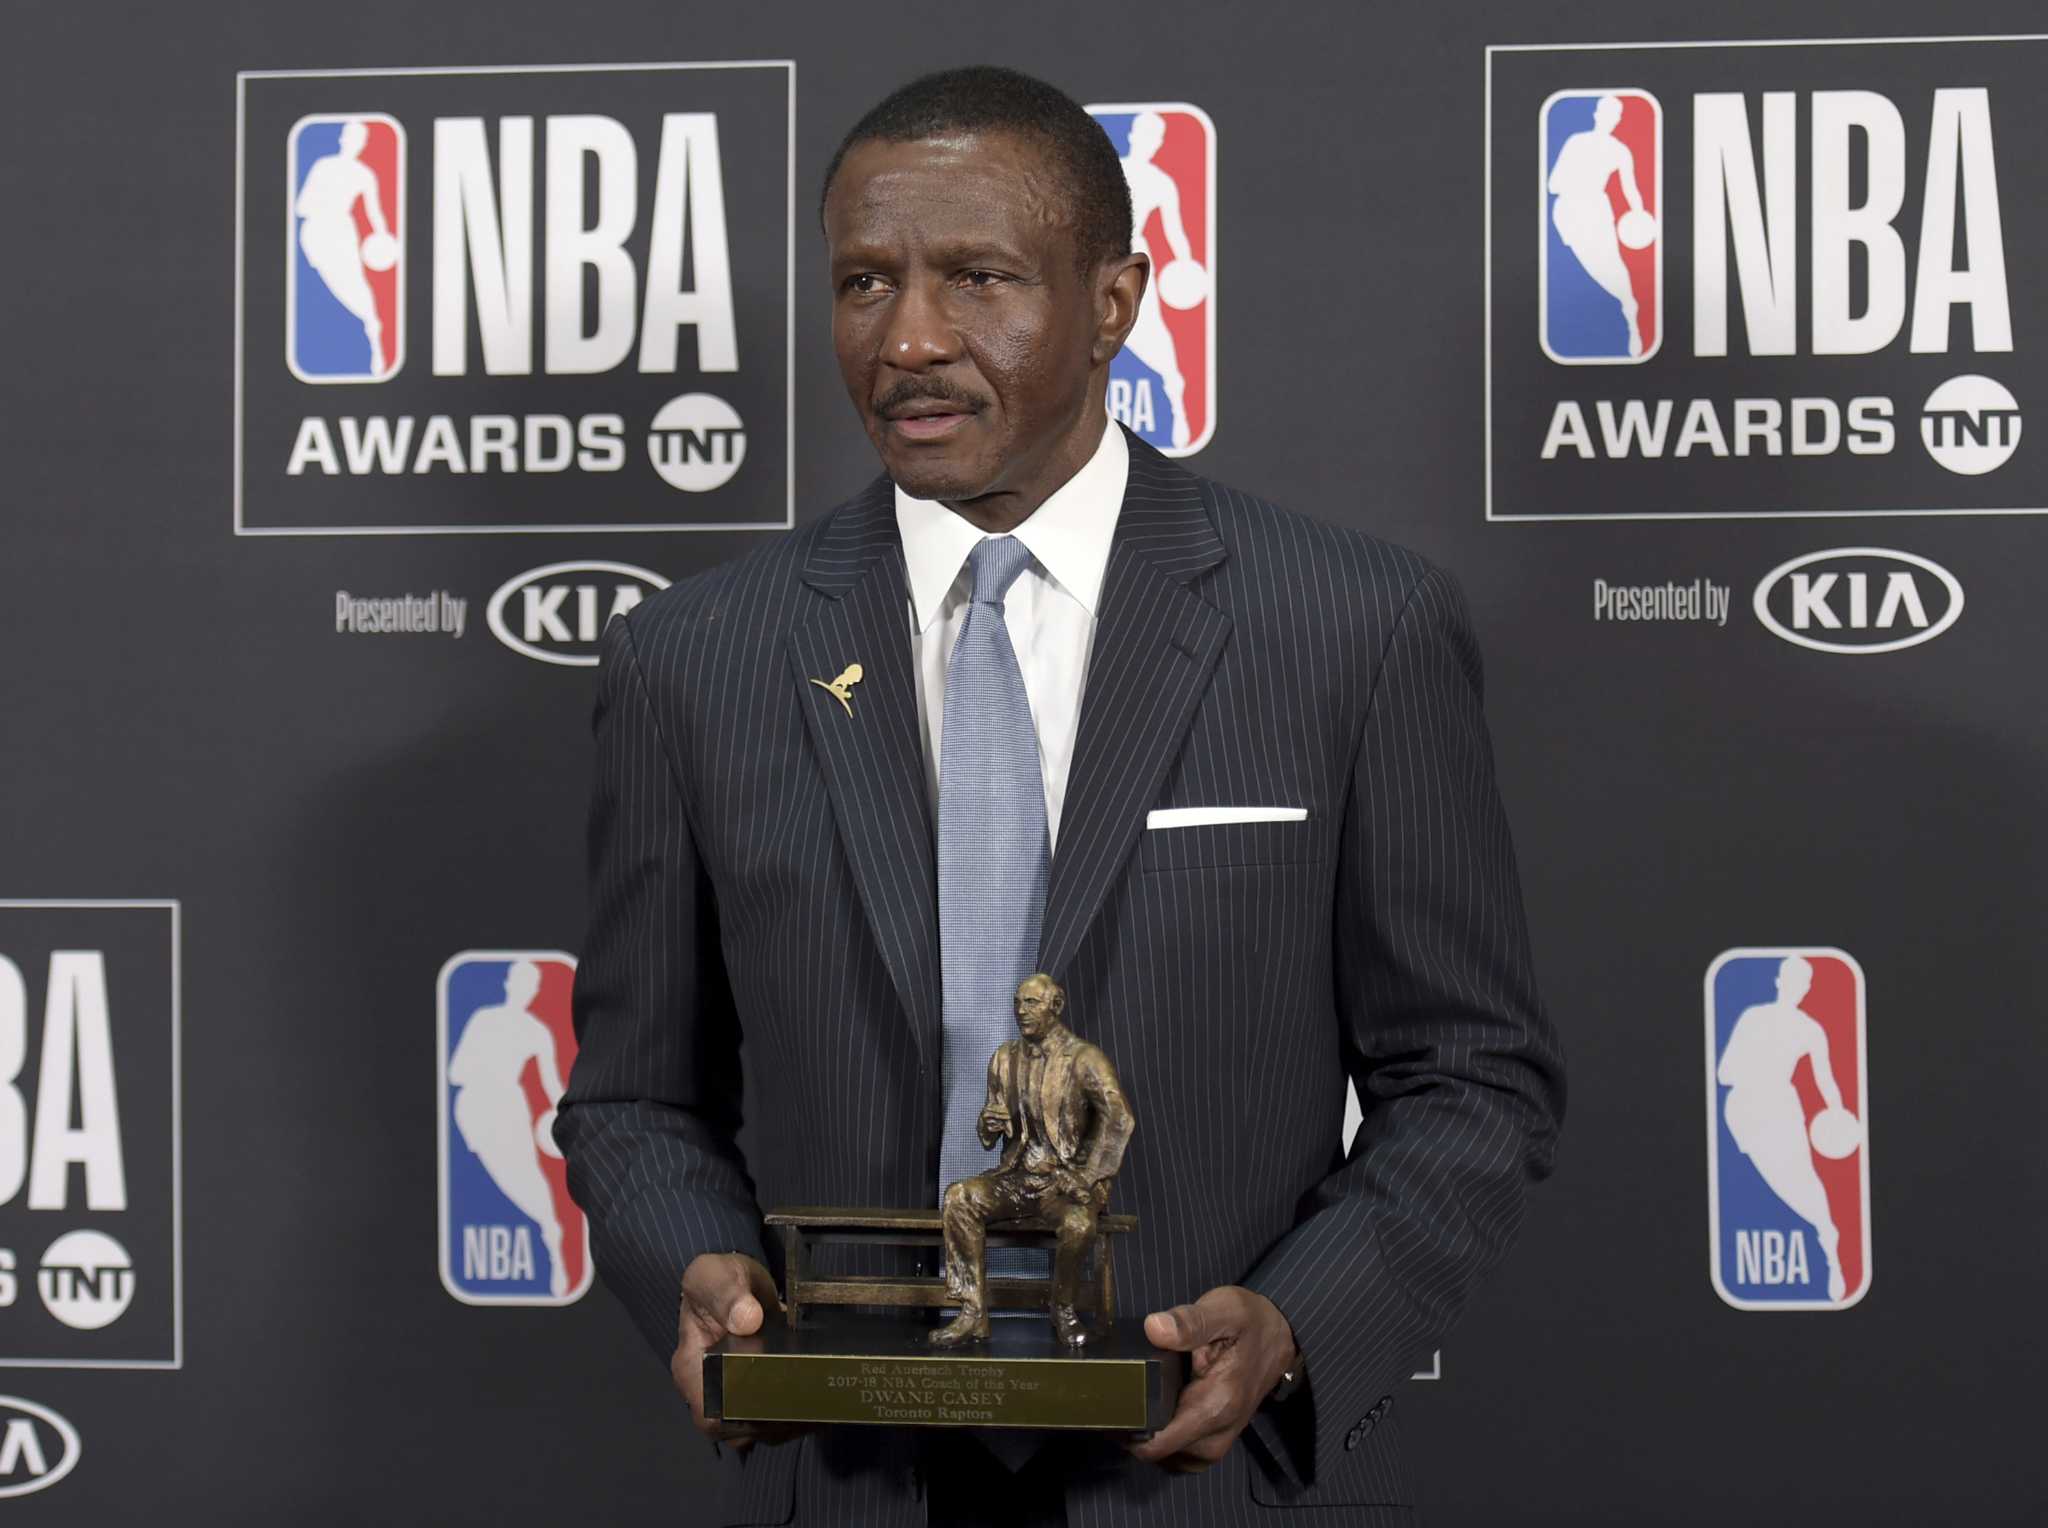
(758, 999)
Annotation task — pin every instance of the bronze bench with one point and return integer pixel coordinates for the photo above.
(803, 1227)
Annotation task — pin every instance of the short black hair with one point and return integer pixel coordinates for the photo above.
(985, 98)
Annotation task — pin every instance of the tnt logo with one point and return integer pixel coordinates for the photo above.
(1163, 383)
(1971, 425)
(510, 1234)
(1787, 1104)
(86, 1280)
(697, 442)
(345, 256)
(1601, 253)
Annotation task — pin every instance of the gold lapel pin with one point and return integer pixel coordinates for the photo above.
(841, 688)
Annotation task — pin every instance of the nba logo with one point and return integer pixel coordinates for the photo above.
(1162, 384)
(1600, 251)
(345, 248)
(510, 1234)
(1788, 1129)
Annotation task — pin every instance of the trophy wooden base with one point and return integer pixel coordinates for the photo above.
(880, 1371)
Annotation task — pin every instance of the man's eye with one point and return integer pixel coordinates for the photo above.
(864, 284)
(980, 278)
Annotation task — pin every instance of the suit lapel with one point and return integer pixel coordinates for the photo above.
(872, 759)
(1156, 645)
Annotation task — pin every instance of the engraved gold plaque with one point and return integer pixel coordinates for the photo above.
(879, 1371)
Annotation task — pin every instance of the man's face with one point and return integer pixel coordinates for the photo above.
(1036, 1012)
(967, 334)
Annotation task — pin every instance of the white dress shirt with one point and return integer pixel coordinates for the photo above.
(1050, 610)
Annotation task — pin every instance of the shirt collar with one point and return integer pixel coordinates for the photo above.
(1069, 534)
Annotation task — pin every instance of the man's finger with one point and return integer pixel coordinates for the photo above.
(749, 1309)
(745, 1435)
(1203, 1409)
(1180, 1330)
(713, 1282)
(1201, 1454)
(730, 1291)
(1187, 1327)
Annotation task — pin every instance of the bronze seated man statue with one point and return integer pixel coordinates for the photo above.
(1057, 1100)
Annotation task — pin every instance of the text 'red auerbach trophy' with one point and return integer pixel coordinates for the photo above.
(862, 1348)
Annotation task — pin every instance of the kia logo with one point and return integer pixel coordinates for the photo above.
(556, 613)
(38, 1448)
(1858, 599)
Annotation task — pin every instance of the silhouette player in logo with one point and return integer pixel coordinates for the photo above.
(1584, 217)
(1057, 1100)
(1765, 1116)
(328, 235)
(491, 1109)
(1182, 282)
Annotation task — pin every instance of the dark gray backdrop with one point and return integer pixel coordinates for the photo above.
(337, 815)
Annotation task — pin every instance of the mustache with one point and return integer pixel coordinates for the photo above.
(912, 390)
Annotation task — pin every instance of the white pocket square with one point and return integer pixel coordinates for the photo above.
(1204, 816)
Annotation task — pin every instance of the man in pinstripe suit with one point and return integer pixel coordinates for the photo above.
(1275, 860)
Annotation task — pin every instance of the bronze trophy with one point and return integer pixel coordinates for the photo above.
(853, 1348)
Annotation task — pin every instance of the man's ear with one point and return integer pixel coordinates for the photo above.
(1119, 288)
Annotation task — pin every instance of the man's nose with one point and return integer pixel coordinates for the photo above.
(919, 333)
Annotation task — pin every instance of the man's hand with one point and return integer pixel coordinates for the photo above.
(1241, 1345)
(723, 1293)
(992, 1126)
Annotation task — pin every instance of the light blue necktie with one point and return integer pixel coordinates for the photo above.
(995, 859)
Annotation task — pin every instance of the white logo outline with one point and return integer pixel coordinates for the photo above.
(494, 613)
(1208, 125)
(73, 1446)
(441, 1143)
(1738, 1302)
(1543, 214)
(291, 246)
(1760, 601)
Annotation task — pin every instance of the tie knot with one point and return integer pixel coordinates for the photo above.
(994, 565)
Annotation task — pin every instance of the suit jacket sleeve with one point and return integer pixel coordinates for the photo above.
(998, 1100)
(1109, 1132)
(1457, 1068)
(653, 1103)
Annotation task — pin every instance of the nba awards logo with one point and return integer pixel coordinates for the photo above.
(1766, 280)
(345, 277)
(90, 1179)
(510, 1233)
(564, 296)
(1162, 384)
(1600, 262)
(1788, 1159)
